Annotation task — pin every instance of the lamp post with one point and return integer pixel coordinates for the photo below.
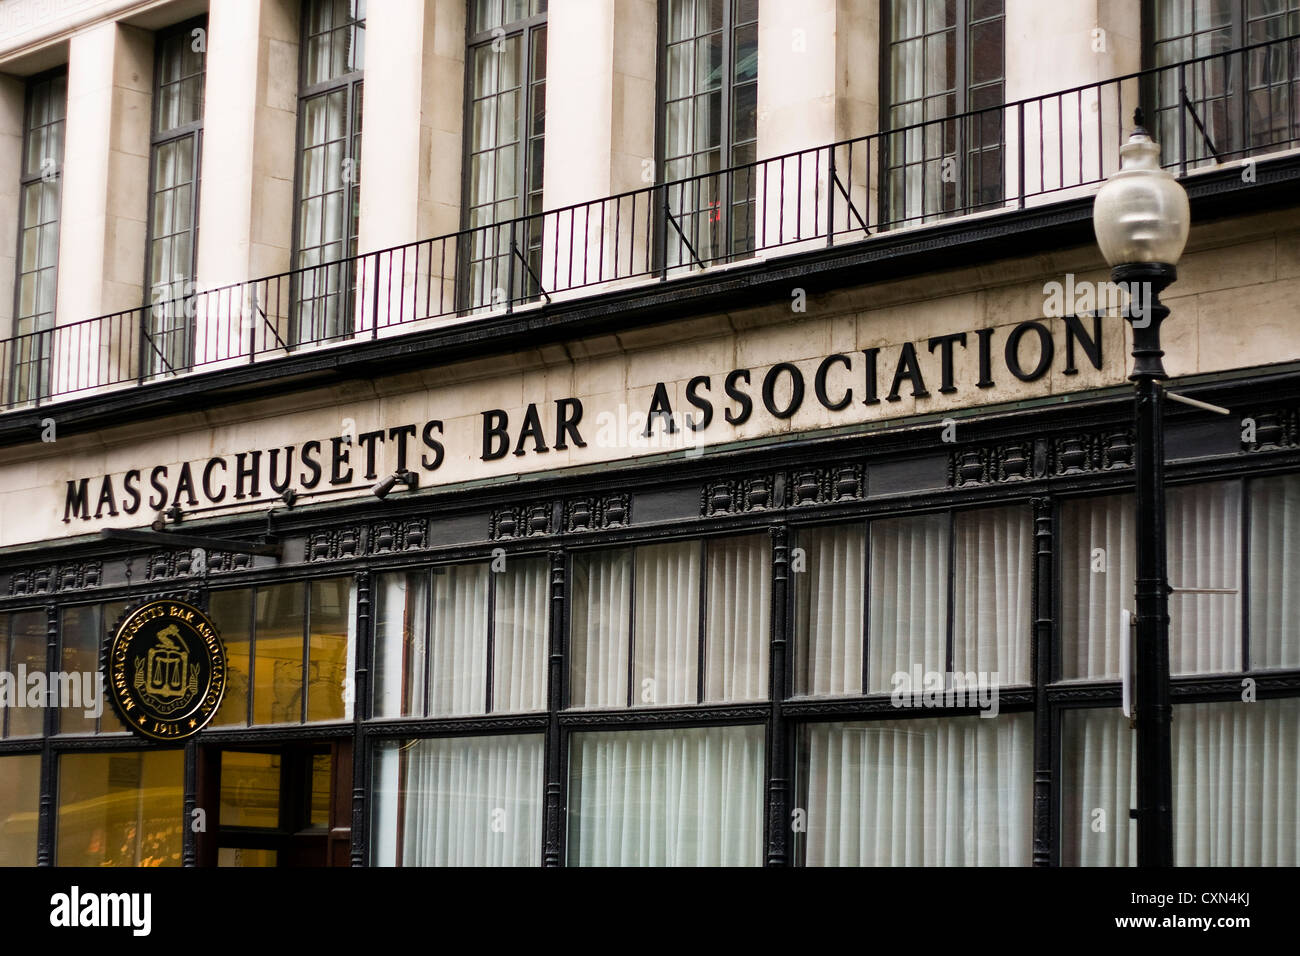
(1141, 218)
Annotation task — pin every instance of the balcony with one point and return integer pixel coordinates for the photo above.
(1209, 111)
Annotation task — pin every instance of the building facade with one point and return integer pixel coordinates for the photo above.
(628, 432)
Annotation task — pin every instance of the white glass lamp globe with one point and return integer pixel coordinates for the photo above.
(1141, 213)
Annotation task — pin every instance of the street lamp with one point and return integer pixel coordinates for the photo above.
(1141, 218)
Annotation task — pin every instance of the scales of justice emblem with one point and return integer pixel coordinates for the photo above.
(164, 677)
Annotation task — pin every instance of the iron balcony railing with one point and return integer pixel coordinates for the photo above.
(1209, 110)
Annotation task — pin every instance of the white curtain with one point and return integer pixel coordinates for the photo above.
(1236, 776)
(458, 641)
(992, 619)
(829, 611)
(739, 605)
(1275, 572)
(909, 598)
(600, 617)
(519, 639)
(925, 792)
(1097, 574)
(666, 642)
(1204, 552)
(474, 801)
(691, 797)
(401, 615)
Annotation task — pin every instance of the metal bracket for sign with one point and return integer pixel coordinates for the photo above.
(1197, 403)
(1127, 659)
(167, 539)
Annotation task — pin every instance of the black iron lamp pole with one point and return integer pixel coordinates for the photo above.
(1141, 217)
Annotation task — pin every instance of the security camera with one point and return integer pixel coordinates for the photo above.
(386, 485)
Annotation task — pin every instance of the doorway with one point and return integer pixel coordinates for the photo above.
(286, 805)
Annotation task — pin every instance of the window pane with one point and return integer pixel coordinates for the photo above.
(120, 809)
(520, 622)
(1097, 579)
(739, 605)
(230, 613)
(599, 621)
(27, 652)
(250, 789)
(20, 793)
(1236, 768)
(473, 801)
(329, 660)
(1275, 572)
(926, 792)
(458, 641)
(666, 644)
(81, 631)
(689, 797)
(909, 599)
(277, 667)
(1204, 553)
(401, 632)
(992, 617)
(829, 611)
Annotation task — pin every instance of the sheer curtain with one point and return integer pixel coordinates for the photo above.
(739, 605)
(401, 623)
(1204, 551)
(690, 797)
(1236, 774)
(924, 792)
(909, 598)
(666, 642)
(1275, 572)
(458, 640)
(992, 618)
(519, 640)
(1098, 564)
(470, 801)
(600, 617)
(829, 610)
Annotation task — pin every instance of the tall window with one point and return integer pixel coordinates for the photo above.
(710, 123)
(174, 196)
(944, 59)
(38, 237)
(1243, 101)
(504, 149)
(329, 168)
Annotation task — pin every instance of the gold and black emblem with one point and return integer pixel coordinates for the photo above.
(166, 670)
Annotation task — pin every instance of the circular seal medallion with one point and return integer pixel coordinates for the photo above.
(166, 669)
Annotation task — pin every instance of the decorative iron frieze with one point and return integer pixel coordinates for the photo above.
(387, 536)
(1081, 452)
(335, 544)
(28, 581)
(992, 464)
(597, 512)
(738, 495)
(522, 521)
(169, 564)
(844, 482)
(223, 562)
(1273, 428)
(85, 574)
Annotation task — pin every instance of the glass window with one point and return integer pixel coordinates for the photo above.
(504, 150)
(636, 615)
(462, 639)
(120, 809)
(459, 801)
(710, 123)
(23, 641)
(948, 594)
(1274, 572)
(954, 791)
(944, 60)
(1236, 768)
(293, 645)
(40, 187)
(1098, 570)
(20, 792)
(82, 632)
(329, 168)
(686, 797)
(180, 64)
